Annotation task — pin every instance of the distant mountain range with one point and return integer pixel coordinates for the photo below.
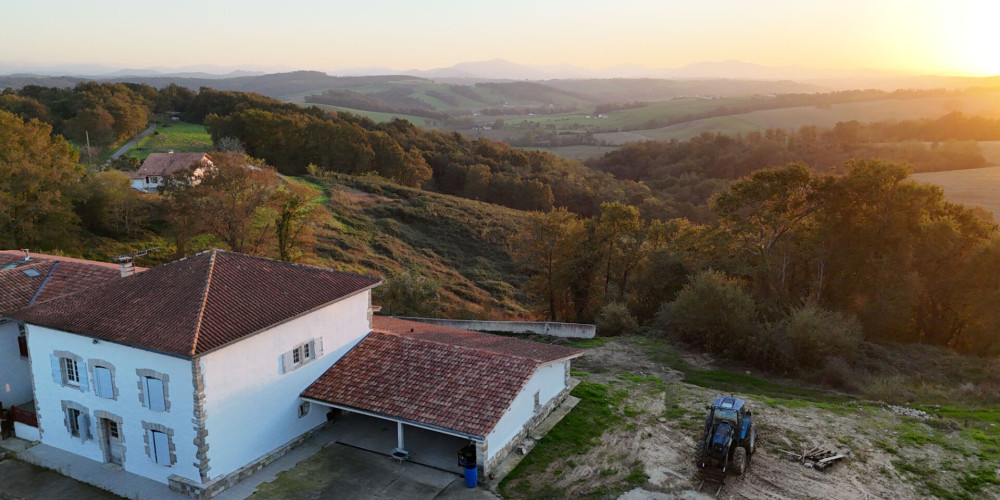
(100, 72)
(737, 70)
(479, 71)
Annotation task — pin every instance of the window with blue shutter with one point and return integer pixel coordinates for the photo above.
(103, 385)
(154, 394)
(159, 447)
(56, 369)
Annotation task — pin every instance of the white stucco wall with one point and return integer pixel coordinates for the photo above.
(548, 381)
(15, 375)
(43, 342)
(26, 432)
(251, 407)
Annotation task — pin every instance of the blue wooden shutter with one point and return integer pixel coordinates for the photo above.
(82, 370)
(102, 382)
(56, 369)
(154, 394)
(161, 447)
(83, 424)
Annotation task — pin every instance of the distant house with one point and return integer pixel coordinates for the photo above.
(27, 279)
(198, 372)
(159, 166)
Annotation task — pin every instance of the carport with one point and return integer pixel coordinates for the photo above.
(423, 392)
(425, 445)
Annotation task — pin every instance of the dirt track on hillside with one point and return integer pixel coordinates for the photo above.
(669, 420)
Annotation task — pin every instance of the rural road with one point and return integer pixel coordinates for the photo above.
(132, 142)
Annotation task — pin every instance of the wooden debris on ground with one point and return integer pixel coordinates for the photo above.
(817, 457)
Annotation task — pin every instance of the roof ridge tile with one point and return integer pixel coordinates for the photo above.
(204, 300)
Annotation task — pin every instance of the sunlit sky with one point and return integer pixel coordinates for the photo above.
(911, 36)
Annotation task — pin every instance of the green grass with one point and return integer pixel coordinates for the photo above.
(734, 381)
(575, 434)
(589, 343)
(322, 200)
(180, 137)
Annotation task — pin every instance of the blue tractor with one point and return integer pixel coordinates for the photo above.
(728, 441)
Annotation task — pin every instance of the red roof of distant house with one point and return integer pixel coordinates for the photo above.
(197, 304)
(167, 164)
(45, 277)
(446, 377)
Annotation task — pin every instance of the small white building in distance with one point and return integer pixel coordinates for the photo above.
(198, 372)
(158, 167)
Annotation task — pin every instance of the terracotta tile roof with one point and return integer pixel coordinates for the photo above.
(452, 387)
(194, 305)
(166, 164)
(498, 344)
(53, 276)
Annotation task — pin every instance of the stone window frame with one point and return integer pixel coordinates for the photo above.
(66, 355)
(98, 415)
(304, 408)
(538, 400)
(163, 377)
(314, 347)
(100, 363)
(150, 426)
(66, 406)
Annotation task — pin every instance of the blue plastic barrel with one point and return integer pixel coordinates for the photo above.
(471, 475)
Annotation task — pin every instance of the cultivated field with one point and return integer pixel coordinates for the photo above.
(980, 187)
(376, 116)
(180, 137)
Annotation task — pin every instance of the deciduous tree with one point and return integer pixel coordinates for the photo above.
(35, 167)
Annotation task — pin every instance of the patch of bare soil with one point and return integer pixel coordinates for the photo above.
(606, 361)
(663, 422)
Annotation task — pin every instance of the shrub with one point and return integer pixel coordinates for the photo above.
(816, 334)
(714, 312)
(615, 319)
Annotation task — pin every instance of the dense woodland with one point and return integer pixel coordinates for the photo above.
(778, 248)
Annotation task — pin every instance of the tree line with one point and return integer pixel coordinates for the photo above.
(796, 268)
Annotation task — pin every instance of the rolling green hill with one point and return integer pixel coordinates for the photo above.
(382, 228)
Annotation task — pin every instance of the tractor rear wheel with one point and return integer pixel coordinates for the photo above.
(700, 452)
(739, 463)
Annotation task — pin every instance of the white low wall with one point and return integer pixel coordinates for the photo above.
(567, 330)
(26, 432)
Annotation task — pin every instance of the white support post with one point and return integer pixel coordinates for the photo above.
(399, 436)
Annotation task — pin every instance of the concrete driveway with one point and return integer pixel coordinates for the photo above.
(344, 472)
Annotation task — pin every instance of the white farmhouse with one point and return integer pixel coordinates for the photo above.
(198, 372)
(158, 167)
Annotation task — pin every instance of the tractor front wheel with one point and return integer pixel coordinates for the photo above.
(739, 463)
(700, 453)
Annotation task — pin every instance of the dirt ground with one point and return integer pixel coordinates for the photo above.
(665, 419)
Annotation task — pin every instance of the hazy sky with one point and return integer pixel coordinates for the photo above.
(915, 36)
